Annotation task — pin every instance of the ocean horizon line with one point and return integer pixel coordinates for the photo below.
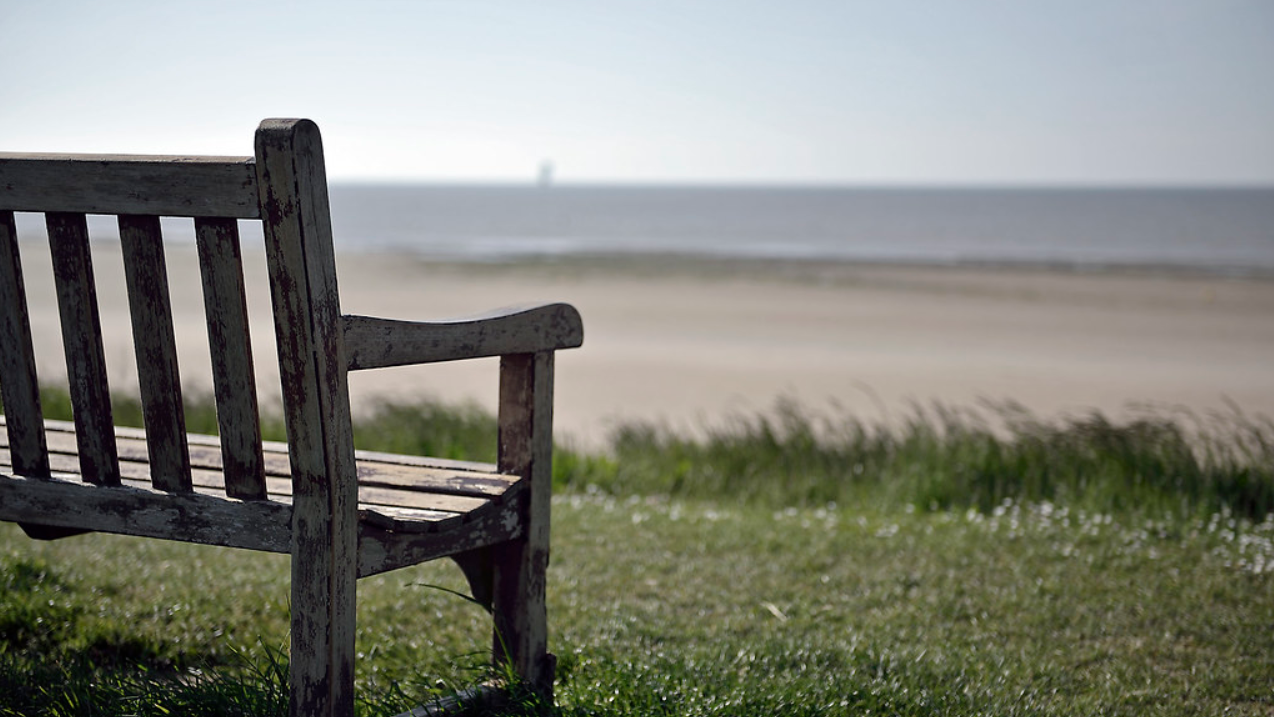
(797, 185)
(1213, 229)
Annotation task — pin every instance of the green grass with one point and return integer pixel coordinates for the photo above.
(942, 459)
(786, 563)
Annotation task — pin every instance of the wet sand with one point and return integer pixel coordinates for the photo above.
(688, 342)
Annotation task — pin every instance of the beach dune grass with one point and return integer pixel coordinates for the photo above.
(936, 458)
(942, 458)
(791, 562)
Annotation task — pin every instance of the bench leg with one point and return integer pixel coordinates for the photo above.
(521, 620)
(321, 669)
(324, 603)
(526, 448)
(477, 568)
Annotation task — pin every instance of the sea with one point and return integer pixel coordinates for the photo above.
(1215, 230)
(1221, 230)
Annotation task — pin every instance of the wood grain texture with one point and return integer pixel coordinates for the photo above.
(293, 194)
(233, 373)
(129, 184)
(136, 510)
(400, 510)
(19, 384)
(425, 461)
(382, 550)
(376, 343)
(521, 565)
(389, 486)
(398, 519)
(82, 342)
(374, 470)
(159, 382)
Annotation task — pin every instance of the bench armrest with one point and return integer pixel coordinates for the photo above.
(377, 343)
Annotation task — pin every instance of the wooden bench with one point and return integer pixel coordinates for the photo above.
(341, 514)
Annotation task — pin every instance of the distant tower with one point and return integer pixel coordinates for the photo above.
(545, 179)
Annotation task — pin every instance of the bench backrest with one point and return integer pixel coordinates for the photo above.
(283, 186)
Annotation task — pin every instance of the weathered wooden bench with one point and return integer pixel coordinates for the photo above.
(340, 513)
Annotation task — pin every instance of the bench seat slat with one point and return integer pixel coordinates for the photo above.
(279, 447)
(372, 469)
(135, 471)
(422, 518)
(416, 499)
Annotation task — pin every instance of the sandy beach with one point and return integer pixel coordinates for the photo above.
(689, 342)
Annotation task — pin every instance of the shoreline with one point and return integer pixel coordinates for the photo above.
(763, 267)
(690, 343)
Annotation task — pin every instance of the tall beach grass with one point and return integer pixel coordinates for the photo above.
(942, 458)
(1161, 462)
(939, 458)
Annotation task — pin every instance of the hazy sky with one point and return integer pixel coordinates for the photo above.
(898, 91)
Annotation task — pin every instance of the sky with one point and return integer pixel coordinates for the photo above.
(910, 92)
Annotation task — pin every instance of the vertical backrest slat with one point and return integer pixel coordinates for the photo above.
(234, 380)
(144, 269)
(19, 385)
(82, 341)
